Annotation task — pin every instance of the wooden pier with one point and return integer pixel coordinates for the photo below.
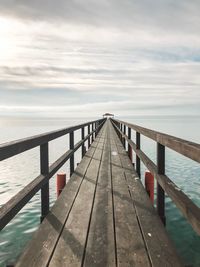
(104, 216)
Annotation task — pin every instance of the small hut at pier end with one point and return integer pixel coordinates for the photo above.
(108, 115)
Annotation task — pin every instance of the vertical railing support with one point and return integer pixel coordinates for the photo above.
(124, 140)
(130, 152)
(89, 136)
(82, 137)
(118, 127)
(71, 146)
(160, 191)
(138, 167)
(92, 131)
(96, 128)
(44, 169)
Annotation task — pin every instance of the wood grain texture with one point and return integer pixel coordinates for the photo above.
(103, 218)
(71, 245)
(100, 250)
(13, 148)
(41, 247)
(188, 208)
(131, 250)
(184, 147)
(159, 247)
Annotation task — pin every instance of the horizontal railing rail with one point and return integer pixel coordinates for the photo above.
(164, 184)
(184, 147)
(41, 182)
(11, 149)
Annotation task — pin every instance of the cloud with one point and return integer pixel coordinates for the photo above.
(114, 55)
(135, 14)
(119, 108)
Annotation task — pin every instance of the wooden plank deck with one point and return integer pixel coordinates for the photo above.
(102, 218)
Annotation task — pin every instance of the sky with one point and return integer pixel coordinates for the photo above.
(83, 58)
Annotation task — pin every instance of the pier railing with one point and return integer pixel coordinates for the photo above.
(164, 184)
(7, 150)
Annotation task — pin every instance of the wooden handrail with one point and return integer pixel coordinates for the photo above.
(184, 147)
(13, 148)
(17, 202)
(188, 208)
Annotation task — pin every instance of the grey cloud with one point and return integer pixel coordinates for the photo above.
(179, 14)
(43, 70)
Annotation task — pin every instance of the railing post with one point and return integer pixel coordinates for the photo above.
(92, 131)
(89, 136)
(121, 133)
(100, 124)
(82, 137)
(118, 127)
(96, 128)
(44, 169)
(130, 154)
(124, 140)
(71, 146)
(137, 158)
(160, 191)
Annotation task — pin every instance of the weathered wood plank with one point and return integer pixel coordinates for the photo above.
(98, 152)
(103, 217)
(188, 208)
(40, 249)
(13, 148)
(17, 202)
(184, 147)
(71, 245)
(159, 246)
(131, 250)
(100, 250)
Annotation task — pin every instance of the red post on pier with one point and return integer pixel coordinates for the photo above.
(61, 182)
(149, 185)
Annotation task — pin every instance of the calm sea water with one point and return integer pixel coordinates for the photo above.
(18, 171)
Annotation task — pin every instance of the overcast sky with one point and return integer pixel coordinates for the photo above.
(81, 58)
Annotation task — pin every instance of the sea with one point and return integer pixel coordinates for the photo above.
(19, 170)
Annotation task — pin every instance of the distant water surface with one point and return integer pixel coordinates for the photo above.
(19, 170)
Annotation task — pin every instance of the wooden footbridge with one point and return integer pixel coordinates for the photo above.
(104, 216)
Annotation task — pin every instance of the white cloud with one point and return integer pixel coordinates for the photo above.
(121, 56)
